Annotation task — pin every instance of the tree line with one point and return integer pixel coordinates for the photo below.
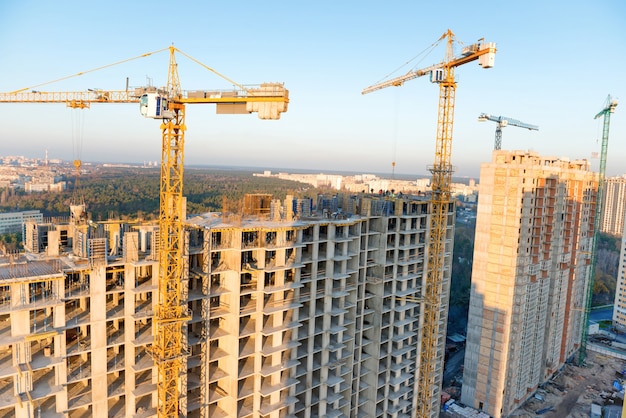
(125, 193)
(131, 193)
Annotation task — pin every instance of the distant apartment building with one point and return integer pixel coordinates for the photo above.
(44, 187)
(534, 232)
(360, 183)
(614, 210)
(312, 313)
(34, 178)
(619, 306)
(11, 222)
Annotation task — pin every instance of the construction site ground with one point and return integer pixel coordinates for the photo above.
(571, 392)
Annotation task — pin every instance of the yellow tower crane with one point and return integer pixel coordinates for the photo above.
(167, 104)
(433, 341)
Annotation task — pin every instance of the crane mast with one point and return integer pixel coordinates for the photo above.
(433, 342)
(502, 122)
(609, 108)
(171, 313)
(440, 201)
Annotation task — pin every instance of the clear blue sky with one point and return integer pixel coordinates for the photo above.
(557, 62)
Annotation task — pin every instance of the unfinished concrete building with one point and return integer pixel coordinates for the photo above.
(295, 312)
(534, 233)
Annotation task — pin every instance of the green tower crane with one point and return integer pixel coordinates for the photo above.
(609, 108)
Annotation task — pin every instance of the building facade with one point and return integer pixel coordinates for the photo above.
(619, 306)
(294, 314)
(613, 223)
(614, 210)
(534, 232)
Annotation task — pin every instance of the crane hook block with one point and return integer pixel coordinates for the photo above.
(155, 105)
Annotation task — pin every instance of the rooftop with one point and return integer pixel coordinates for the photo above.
(14, 267)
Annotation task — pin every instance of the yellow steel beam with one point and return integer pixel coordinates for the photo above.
(83, 99)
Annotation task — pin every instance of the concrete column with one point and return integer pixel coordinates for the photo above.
(98, 342)
(53, 243)
(129, 334)
(131, 247)
(59, 349)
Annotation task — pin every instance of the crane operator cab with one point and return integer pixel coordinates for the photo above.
(154, 105)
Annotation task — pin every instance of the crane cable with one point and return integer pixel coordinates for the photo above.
(394, 145)
(77, 129)
(89, 71)
(423, 54)
(147, 54)
(599, 131)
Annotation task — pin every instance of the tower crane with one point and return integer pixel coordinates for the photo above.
(503, 122)
(167, 104)
(609, 108)
(431, 362)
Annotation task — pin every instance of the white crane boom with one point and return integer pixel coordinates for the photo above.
(503, 122)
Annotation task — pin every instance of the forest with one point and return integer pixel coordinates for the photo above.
(607, 265)
(129, 193)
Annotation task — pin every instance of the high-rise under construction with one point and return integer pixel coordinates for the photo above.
(534, 232)
(298, 308)
(614, 211)
(619, 305)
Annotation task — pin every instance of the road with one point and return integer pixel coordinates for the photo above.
(452, 367)
(601, 314)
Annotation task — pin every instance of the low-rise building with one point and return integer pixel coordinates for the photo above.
(12, 222)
